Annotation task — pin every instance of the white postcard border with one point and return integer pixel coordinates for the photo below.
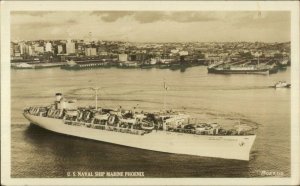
(7, 7)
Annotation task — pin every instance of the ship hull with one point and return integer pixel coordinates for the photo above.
(86, 66)
(223, 71)
(227, 147)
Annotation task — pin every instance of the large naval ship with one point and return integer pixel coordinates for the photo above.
(165, 131)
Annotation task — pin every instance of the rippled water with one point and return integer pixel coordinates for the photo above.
(226, 99)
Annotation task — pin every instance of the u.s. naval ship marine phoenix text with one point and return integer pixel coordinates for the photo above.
(166, 131)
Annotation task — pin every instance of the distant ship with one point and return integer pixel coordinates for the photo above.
(88, 64)
(229, 68)
(249, 69)
(167, 131)
(22, 66)
(36, 65)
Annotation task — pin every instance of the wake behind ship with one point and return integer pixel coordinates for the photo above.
(157, 131)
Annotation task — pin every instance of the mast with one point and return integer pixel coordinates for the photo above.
(239, 130)
(165, 92)
(258, 59)
(96, 101)
(96, 97)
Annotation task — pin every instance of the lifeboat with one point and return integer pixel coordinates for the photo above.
(147, 125)
(102, 116)
(86, 115)
(57, 114)
(140, 116)
(129, 120)
(72, 113)
(50, 112)
(80, 116)
(112, 119)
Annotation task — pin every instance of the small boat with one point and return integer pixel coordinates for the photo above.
(147, 125)
(282, 84)
(23, 66)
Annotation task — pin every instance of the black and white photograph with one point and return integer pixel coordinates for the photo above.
(115, 92)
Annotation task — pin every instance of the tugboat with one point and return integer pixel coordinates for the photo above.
(282, 84)
(166, 131)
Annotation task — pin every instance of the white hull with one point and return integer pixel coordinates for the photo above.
(228, 147)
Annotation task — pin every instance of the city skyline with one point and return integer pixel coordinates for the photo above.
(152, 26)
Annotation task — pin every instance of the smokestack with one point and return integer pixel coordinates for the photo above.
(58, 96)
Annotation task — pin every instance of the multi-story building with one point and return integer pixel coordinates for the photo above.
(183, 53)
(39, 49)
(123, 57)
(31, 51)
(103, 53)
(80, 48)
(59, 49)
(17, 51)
(24, 48)
(70, 47)
(48, 47)
(90, 52)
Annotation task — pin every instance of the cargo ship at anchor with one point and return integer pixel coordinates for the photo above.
(239, 70)
(89, 64)
(229, 68)
(165, 131)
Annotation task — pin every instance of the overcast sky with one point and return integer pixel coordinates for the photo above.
(152, 26)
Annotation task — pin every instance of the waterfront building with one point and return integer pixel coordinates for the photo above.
(132, 57)
(80, 48)
(141, 56)
(39, 49)
(183, 53)
(17, 51)
(31, 51)
(174, 51)
(70, 47)
(123, 57)
(90, 52)
(103, 53)
(23, 48)
(223, 56)
(212, 57)
(35, 45)
(59, 49)
(48, 47)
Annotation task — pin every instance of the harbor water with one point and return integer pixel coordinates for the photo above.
(226, 99)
